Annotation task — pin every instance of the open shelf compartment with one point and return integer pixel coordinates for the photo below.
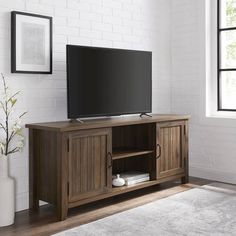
(133, 149)
(142, 164)
(133, 140)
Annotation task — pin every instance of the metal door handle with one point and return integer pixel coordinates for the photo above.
(159, 151)
(109, 157)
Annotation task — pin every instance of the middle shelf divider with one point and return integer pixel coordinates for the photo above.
(124, 153)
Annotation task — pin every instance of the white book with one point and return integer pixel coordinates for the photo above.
(136, 181)
(133, 175)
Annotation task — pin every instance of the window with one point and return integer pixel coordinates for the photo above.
(226, 55)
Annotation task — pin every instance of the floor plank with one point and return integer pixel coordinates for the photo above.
(44, 222)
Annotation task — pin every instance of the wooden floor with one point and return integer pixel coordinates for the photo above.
(44, 222)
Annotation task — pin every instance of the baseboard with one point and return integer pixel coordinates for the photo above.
(217, 175)
(22, 201)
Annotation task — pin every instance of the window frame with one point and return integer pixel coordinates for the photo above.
(219, 69)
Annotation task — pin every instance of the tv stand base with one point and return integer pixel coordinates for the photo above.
(144, 114)
(76, 121)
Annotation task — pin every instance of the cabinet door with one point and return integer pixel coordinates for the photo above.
(90, 169)
(170, 148)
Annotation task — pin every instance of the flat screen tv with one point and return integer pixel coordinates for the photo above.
(108, 82)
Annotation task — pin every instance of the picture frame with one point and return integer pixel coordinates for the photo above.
(31, 43)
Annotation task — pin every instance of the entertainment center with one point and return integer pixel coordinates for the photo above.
(72, 163)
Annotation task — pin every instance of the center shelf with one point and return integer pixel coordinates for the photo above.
(134, 186)
(120, 154)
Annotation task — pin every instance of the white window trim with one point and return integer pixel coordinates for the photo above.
(208, 42)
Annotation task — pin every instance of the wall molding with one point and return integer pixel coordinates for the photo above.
(212, 174)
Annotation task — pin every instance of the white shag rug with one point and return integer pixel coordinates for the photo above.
(208, 210)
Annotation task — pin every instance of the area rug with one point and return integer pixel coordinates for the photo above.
(206, 210)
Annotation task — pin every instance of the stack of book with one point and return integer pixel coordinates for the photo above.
(134, 177)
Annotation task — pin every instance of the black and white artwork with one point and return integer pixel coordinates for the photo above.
(31, 40)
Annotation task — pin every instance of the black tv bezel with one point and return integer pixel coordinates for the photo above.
(105, 114)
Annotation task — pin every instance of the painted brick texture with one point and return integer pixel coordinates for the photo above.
(132, 24)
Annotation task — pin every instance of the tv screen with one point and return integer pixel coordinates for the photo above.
(106, 82)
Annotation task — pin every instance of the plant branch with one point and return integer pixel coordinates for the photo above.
(2, 127)
(4, 83)
(23, 114)
(11, 136)
(16, 149)
(7, 115)
(3, 107)
(13, 96)
(6, 104)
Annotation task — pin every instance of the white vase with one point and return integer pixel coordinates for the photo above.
(118, 182)
(7, 203)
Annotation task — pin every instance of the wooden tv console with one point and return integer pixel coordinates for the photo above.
(71, 164)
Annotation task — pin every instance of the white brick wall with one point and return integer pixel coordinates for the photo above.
(212, 146)
(133, 24)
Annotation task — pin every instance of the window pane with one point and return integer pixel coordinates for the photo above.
(228, 13)
(228, 90)
(228, 49)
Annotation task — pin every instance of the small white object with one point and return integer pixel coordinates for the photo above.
(134, 177)
(7, 203)
(118, 182)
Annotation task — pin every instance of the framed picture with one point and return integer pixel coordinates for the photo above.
(31, 43)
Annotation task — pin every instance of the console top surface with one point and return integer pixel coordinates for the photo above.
(65, 126)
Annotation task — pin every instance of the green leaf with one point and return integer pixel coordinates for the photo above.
(19, 132)
(13, 101)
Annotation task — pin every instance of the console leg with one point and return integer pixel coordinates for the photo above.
(62, 213)
(185, 180)
(33, 173)
(33, 203)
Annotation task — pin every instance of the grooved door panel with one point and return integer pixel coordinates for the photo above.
(170, 149)
(89, 172)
